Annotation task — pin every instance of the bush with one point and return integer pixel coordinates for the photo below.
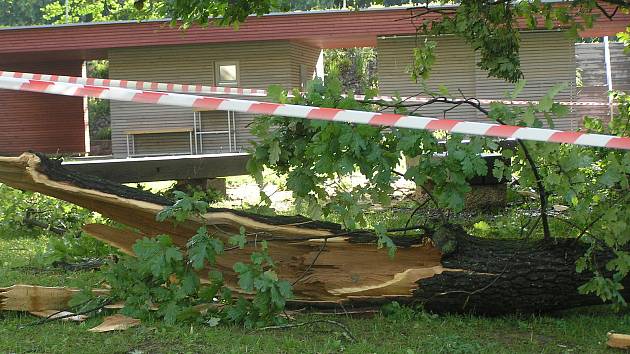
(27, 214)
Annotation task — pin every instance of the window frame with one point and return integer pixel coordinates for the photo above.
(217, 73)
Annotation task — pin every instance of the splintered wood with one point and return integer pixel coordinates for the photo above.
(343, 269)
(34, 298)
(30, 298)
(617, 340)
(115, 323)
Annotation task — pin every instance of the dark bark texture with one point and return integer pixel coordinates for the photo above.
(507, 276)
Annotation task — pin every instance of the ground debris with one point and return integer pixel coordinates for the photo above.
(31, 298)
(54, 314)
(617, 340)
(116, 322)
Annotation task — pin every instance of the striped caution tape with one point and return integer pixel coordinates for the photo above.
(139, 85)
(236, 91)
(318, 113)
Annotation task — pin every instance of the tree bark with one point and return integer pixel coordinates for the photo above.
(507, 276)
(448, 272)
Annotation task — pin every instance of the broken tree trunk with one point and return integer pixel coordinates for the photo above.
(330, 266)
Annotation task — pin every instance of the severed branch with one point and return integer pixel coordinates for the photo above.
(473, 102)
(29, 221)
(498, 276)
(54, 317)
(428, 9)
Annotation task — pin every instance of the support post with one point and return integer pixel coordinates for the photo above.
(608, 74)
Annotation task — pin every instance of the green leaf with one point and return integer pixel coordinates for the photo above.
(173, 254)
(245, 276)
(529, 116)
(190, 283)
(546, 102)
(274, 152)
(239, 239)
(498, 169)
(482, 228)
(384, 240)
(202, 248)
(443, 90)
(468, 167)
(518, 88)
(170, 312)
(560, 110)
(277, 93)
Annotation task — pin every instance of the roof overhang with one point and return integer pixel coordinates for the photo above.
(324, 29)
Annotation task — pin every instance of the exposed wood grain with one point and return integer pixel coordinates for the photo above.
(617, 340)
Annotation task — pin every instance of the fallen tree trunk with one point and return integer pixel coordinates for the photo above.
(453, 273)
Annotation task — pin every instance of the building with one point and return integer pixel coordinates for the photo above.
(279, 49)
(593, 82)
(145, 129)
(547, 58)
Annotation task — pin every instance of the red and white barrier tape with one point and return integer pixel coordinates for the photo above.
(236, 91)
(307, 112)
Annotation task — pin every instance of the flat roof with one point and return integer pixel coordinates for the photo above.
(321, 29)
(167, 20)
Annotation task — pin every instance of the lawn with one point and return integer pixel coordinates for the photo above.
(403, 331)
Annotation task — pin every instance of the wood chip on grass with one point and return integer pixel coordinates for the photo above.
(116, 322)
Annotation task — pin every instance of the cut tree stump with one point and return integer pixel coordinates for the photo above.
(452, 272)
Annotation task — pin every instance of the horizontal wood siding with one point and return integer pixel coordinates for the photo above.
(592, 70)
(260, 64)
(42, 122)
(547, 58)
(454, 68)
(302, 54)
(157, 144)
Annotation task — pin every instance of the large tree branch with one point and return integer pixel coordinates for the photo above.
(444, 275)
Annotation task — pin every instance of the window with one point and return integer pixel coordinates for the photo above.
(227, 73)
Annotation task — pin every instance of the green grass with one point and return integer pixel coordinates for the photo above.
(405, 331)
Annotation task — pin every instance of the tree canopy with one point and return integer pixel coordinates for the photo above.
(22, 12)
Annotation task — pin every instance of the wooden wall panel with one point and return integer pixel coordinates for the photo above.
(42, 122)
(592, 71)
(260, 64)
(547, 58)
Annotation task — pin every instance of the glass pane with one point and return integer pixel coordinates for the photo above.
(227, 73)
